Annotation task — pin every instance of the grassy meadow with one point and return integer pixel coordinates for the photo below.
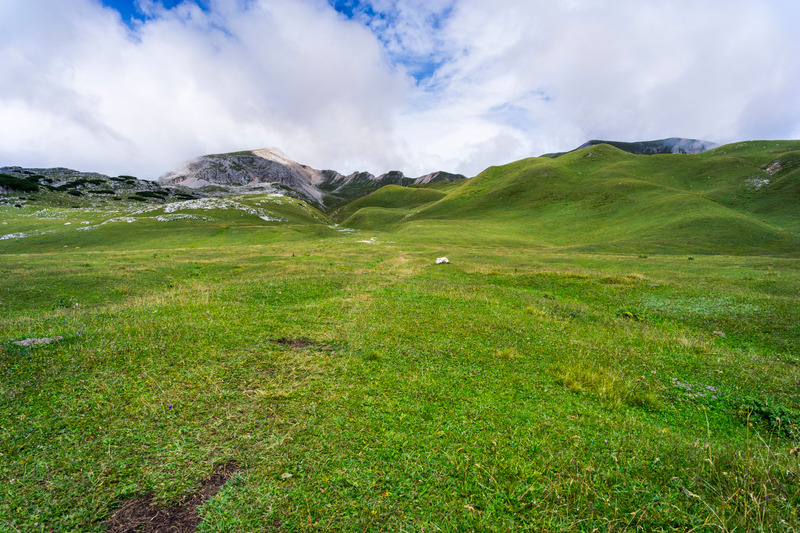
(525, 386)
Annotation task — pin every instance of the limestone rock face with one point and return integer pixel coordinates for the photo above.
(243, 169)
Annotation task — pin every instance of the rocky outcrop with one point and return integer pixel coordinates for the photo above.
(90, 185)
(271, 167)
(437, 176)
(247, 169)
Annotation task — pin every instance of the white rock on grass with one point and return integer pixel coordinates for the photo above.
(35, 341)
(442, 261)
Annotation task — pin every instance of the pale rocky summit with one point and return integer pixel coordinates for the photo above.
(247, 169)
(270, 168)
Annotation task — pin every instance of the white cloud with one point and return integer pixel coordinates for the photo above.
(494, 82)
(92, 93)
(555, 73)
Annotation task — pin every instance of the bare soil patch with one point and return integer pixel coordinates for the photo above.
(141, 515)
(294, 343)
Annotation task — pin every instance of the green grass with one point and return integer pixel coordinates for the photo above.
(508, 390)
(538, 382)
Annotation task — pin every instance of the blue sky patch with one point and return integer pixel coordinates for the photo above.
(423, 68)
(353, 8)
(130, 11)
(388, 27)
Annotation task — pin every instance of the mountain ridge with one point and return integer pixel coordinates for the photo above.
(271, 168)
(671, 145)
(739, 198)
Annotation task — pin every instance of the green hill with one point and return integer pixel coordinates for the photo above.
(739, 198)
(386, 205)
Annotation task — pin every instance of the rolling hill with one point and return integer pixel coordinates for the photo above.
(739, 198)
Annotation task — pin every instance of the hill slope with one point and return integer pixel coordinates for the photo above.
(48, 221)
(735, 199)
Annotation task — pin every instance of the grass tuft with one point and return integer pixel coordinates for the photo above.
(610, 388)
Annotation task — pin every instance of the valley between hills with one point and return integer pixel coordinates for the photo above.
(250, 344)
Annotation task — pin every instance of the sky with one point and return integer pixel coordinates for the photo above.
(138, 86)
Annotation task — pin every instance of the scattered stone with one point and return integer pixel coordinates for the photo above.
(774, 168)
(442, 261)
(34, 341)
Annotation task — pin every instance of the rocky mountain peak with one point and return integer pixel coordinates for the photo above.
(271, 169)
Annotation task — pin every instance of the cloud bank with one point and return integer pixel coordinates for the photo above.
(415, 85)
